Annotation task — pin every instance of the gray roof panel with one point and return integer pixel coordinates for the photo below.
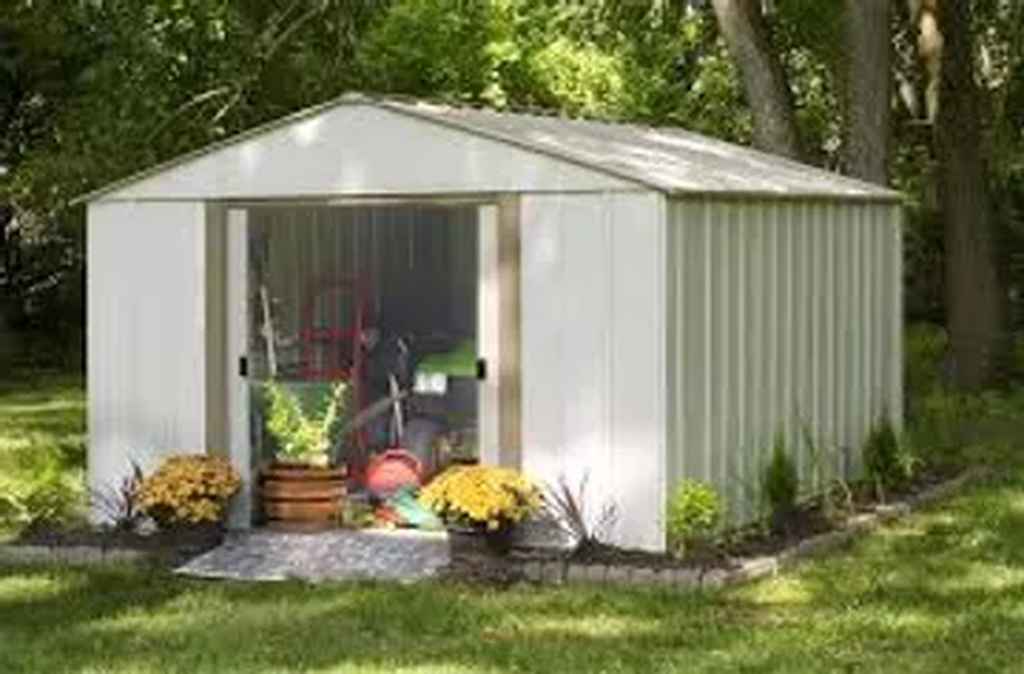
(667, 159)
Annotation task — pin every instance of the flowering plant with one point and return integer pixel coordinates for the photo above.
(482, 496)
(189, 489)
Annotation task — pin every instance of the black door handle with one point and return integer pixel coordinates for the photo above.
(243, 366)
(481, 369)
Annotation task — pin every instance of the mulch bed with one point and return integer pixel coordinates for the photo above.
(164, 547)
(752, 541)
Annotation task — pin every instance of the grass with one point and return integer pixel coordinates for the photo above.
(42, 440)
(940, 591)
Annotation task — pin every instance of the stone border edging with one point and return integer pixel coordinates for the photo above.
(77, 555)
(561, 571)
(557, 572)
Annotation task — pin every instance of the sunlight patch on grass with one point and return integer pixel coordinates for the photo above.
(986, 576)
(779, 591)
(44, 407)
(26, 589)
(396, 668)
(588, 626)
(1015, 504)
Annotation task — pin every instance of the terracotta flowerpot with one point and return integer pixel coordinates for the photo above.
(392, 470)
(296, 496)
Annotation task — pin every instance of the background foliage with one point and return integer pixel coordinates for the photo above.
(92, 90)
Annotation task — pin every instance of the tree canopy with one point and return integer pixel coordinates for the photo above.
(92, 90)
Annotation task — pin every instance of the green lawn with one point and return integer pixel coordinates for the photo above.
(940, 592)
(42, 435)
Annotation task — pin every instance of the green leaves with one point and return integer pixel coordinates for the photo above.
(300, 435)
(693, 512)
(780, 483)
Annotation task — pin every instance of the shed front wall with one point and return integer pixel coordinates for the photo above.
(593, 382)
(146, 343)
(783, 316)
(363, 150)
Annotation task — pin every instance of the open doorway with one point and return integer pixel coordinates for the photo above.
(389, 299)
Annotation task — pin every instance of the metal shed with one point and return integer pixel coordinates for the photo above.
(650, 304)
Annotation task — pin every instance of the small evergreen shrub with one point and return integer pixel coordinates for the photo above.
(887, 463)
(780, 483)
(694, 511)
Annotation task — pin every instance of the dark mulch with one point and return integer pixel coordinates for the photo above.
(170, 547)
(756, 540)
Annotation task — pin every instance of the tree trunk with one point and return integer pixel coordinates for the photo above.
(867, 89)
(975, 301)
(746, 33)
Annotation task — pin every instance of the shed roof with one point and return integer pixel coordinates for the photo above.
(667, 159)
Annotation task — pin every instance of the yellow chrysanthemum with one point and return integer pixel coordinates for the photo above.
(188, 489)
(484, 496)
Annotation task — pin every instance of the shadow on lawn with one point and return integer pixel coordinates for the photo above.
(940, 593)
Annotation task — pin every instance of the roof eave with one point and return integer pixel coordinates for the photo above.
(272, 125)
(875, 196)
(871, 193)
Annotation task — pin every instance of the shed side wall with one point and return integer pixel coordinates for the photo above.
(783, 315)
(593, 352)
(146, 355)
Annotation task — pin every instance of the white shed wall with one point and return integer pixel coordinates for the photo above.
(783, 315)
(592, 337)
(357, 150)
(146, 344)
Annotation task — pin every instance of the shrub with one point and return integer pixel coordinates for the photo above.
(694, 510)
(301, 437)
(827, 479)
(40, 483)
(188, 490)
(953, 429)
(780, 484)
(886, 461)
(926, 346)
(482, 496)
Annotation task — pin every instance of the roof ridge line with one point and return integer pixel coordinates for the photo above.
(535, 148)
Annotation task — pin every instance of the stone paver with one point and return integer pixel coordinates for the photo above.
(329, 555)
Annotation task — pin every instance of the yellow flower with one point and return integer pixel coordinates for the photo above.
(482, 495)
(188, 490)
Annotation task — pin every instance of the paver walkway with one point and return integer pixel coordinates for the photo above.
(329, 555)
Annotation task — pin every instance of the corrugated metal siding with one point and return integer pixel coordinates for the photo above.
(593, 344)
(783, 315)
(146, 342)
(419, 264)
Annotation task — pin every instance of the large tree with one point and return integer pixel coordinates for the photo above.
(866, 78)
(947, 38)
(976, 300)
(746, 31)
